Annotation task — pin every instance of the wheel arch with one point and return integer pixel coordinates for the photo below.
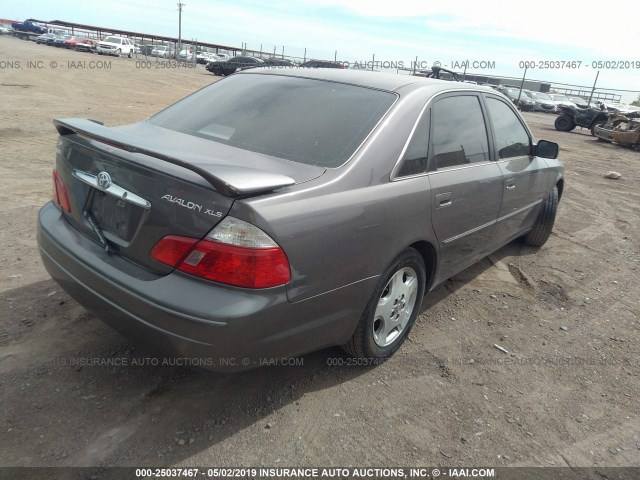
(430, 257)
(560, 186)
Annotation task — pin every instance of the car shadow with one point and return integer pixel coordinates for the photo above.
(59, 362)
(121, 405)
(516, 248)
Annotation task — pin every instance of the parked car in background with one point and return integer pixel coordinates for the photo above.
(29, 27)
(278, 62)
(275, 213)
(4, 30)
(521, 99)
(621, 108)
(206, 57)
(561, 99)
(60, 40)
(29, 30)
(234, 64)
(86, 45)
(46, 38)
(580, 102)
(544, 103)
(162, 51)
(187, 54)
(527, 102)
(117, 46)
(71, 42)
(321, 64)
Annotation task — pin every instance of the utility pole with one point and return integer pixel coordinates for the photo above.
(594, 87)
(180, 5)
(521, 86)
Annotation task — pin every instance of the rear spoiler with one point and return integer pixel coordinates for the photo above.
(230, 181)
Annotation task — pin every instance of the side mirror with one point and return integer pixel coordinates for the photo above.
(546, 149)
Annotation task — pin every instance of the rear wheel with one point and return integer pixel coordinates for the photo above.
(564, 123)
(118, 53)
(130, 54)
(392, 309)
(541, 230)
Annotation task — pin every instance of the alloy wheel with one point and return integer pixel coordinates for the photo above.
(395, 306)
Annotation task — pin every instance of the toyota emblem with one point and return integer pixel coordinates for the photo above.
(104, 180)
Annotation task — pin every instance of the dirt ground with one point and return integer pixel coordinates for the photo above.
(566, 393)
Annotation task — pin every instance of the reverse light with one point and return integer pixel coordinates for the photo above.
(234, 252)
(234, 231)
(60, 196)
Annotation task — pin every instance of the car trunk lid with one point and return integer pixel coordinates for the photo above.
(130, 186)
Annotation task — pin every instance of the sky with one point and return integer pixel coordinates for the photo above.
(505, 33)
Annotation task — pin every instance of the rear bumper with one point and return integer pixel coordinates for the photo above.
(219, 327)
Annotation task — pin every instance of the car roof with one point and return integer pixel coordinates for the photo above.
(392, 82)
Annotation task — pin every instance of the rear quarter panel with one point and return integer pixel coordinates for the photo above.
(344, 237)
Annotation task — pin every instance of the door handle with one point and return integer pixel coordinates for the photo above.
(510, 183)
(443, 200)
(511, 186)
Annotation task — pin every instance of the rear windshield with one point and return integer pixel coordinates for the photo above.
(308, 121)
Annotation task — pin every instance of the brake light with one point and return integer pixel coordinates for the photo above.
(172, 249)
(234, 252)
(60, 197)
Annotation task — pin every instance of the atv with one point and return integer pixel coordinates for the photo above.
(572, 117)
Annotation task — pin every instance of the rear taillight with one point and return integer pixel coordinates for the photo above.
(172, 249)
(234, 252)
(60, 192)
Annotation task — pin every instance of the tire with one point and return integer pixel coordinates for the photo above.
(130, 54)
(392, 309)
(541, 230)
(118, 53)
(597, 124)
(564, 123)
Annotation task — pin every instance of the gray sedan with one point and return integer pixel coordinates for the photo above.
(276, 212)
